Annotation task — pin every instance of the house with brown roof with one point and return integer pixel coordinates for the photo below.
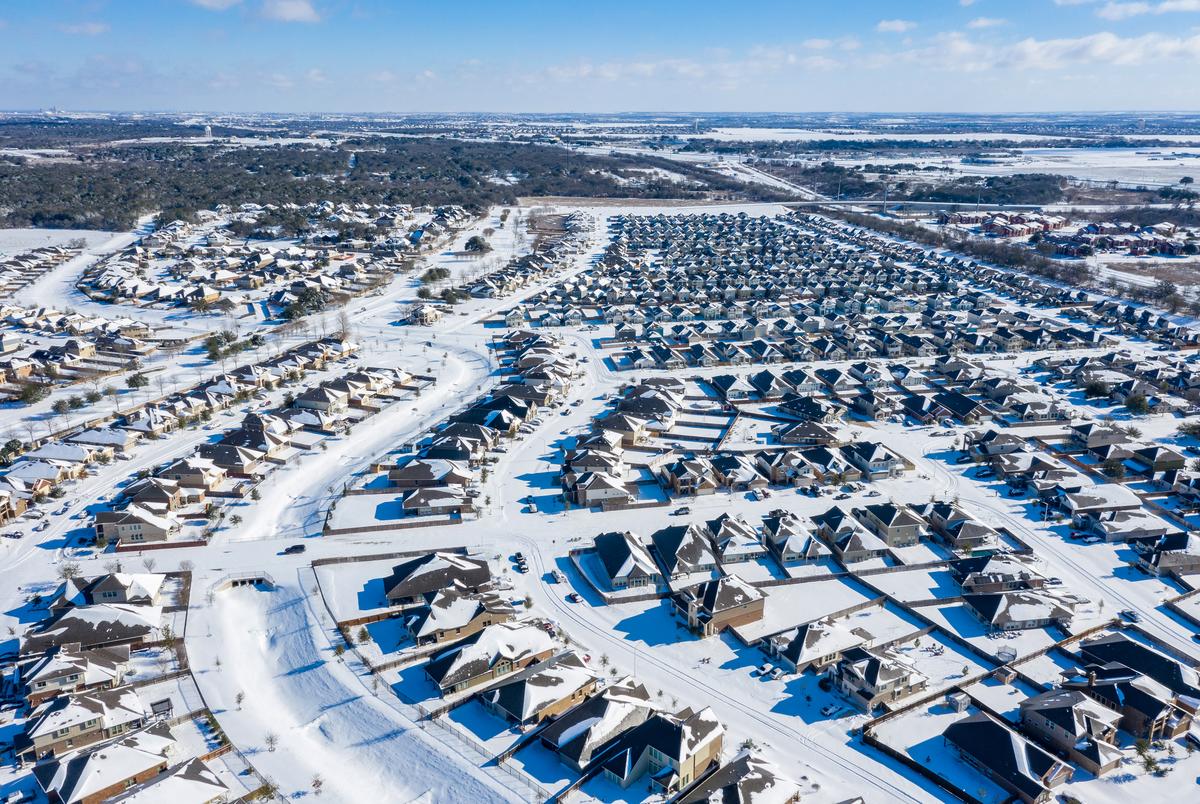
(414, 579)
(714, 605)
(487, 655)
(455, 612)
(70, 722)
(1077, 725)
(541, 691)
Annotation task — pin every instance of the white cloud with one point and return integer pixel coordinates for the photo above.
(720, 69)
(818, 63)
(215, 5)
(316, 76)
(958, 52)
(222, 81)
(1100, 48)
(1122, 10)
(845, 43)
(985, 22)
(965, 3)
(895, 26)
(290, 11)
(86, 28)
(278, 81)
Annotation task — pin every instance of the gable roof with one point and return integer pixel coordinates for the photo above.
(434, 571)
(1003, 752)
(624, 555)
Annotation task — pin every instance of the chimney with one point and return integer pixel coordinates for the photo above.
(1091, 677)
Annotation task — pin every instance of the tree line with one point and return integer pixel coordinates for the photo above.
(110, 186)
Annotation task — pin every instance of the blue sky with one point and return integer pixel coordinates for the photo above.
(652, 55)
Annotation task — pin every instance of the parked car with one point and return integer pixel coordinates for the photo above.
(294, 549)
(1130, 615)
(574, 597)
(682, 510)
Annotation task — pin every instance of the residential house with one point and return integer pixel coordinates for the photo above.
(577, 734)
(816, 645)
(673, 750)
(541, 691)
(873, 677)
(626, 561)
(488, 655)
(1077, 725)
(70, 722)
(1006, 757)
(716, 604)
(455, 612)
(1020, 609)
(744, 779)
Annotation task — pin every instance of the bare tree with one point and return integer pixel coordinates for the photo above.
(68, 570)
(149, 563)
(317, 784)
(271, 741)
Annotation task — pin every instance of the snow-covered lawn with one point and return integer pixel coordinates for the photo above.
(956, 618)
(916, 584)
(355, 589)
(795, 604)
(15, 241)
(323, 715)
